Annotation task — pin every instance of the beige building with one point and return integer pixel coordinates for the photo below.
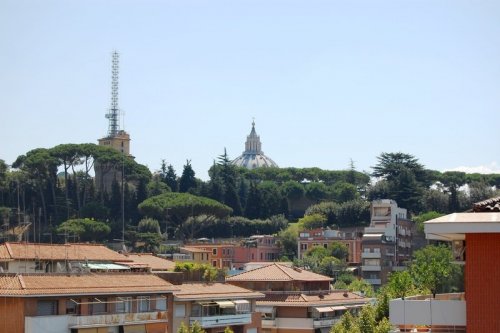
(18, 257)
(297, 300)
(85, 303)
(216, 306)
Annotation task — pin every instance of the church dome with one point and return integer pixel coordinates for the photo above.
(253, 157)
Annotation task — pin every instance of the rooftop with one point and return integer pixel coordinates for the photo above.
(455, 226)
(150, 260)
(278, 272)
(82, 284)
(212, 291)
(69, 251)
(333, 298)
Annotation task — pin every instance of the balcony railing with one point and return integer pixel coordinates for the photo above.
(64, 323)
(371, 255)
(374, 281)
(444, 310)
(117, 319)
(224, 320)
(370, 268)
(325, 322)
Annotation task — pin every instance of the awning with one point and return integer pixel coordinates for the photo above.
(105, 267)
(264, 309)
(242, 305)
(225, 304)
(323, 309)
(338, 308)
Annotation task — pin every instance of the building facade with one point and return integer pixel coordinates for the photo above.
(296, 300)
(85, 303)
(475, 242)
(325, 237)
(387, 242)
(216, 306)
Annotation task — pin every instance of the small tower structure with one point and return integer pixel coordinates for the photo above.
(116, 138)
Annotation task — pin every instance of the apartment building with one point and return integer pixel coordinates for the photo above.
(296, 300)
(216, 306)
(386, 243)
(257, 248)
(20, 257)
(85, 303)
(324, 237)
(475, 241)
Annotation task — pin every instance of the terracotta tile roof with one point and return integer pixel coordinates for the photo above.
(84, 284)
(302, 300)
(42, 251)
(204, 291)
(490, 205)
(278, 272)
(195, 249)
(149, 260)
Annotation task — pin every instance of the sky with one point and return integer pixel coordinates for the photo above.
(327, 82)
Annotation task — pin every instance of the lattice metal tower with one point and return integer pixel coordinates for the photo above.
(114, 112)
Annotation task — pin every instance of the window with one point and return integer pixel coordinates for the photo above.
(195, 310)
(72, 306)
(161, 303)
(180, 310)
(372, 262)
(143, 303)
(98, 306)
(303, 246)
(124, 305)
(46, 308)
(214, 251)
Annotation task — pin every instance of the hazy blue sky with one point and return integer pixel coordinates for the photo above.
(327, 81)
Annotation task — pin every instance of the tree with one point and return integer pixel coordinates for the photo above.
(420, 219)
(406, 178)
(254, 201)
(313, 221)
(432, 267)
(194, 328)
(288, 240)
(292, 190)
(187, 180)
(391, 165)
(85, 229)
(362, 286)
(401, 284)
(316, 191)
(179, 206)
(347, 324)
(171, 178)
(338, 250)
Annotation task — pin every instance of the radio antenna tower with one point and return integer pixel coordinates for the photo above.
(114, 112)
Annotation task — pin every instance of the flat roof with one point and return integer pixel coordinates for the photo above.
(455, 226)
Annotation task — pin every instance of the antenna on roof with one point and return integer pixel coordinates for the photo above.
(114, 112)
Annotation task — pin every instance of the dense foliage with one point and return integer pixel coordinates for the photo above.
(54, 185)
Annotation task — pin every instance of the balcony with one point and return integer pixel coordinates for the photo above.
(371, 268)
(374, 281)
(446, 311)
(223, 320)
(117, 319)
(64, 323)
(325, 322)
(371, 255)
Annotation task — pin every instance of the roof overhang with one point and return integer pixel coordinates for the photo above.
(455, 226)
